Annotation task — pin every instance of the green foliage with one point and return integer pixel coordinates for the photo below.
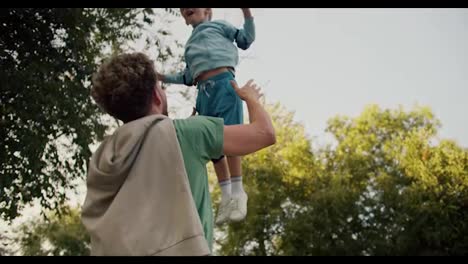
(48, 119)
(387, 187)
(62, 235)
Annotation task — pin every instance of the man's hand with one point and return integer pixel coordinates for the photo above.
(249, 91)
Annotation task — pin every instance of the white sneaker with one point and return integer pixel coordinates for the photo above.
(224, 211)
(238, 207)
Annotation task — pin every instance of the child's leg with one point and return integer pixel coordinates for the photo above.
(235, 170)
(217, 98)
(224, 180)
(239, 197)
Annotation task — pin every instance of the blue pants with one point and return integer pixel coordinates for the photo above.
(216, 97)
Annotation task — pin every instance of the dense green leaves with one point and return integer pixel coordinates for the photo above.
(387, 187)
(48, 119)
(55, 236)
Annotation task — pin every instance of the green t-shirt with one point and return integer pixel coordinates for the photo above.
(201, 139)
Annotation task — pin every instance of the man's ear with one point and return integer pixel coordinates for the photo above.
(156, 96)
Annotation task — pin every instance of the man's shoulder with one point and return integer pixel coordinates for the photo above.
(204, 133)
(197, 122)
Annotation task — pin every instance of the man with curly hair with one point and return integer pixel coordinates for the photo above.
(147, 184)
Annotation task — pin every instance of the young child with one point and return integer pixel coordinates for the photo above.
(211, 58)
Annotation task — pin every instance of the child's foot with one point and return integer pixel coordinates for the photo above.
(224, 211)
(238, 207)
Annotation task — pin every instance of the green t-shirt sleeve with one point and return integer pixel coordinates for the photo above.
(205, 134)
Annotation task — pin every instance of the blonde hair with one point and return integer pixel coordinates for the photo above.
(210, 14)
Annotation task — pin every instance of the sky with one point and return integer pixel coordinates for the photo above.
(321, 63)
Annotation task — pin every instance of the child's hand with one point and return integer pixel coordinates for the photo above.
(249, 91)
(247, 13)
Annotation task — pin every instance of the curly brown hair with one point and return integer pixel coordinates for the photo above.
(123, 86)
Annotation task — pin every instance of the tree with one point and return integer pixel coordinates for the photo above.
(387, 187)
(57, 235)
(271, 175)
(48, 120)
(4, 251)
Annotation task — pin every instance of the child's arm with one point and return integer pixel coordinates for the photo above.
(247, 13)
(183, 77)
(245, 36)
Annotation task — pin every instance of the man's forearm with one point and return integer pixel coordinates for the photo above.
(259, 117)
